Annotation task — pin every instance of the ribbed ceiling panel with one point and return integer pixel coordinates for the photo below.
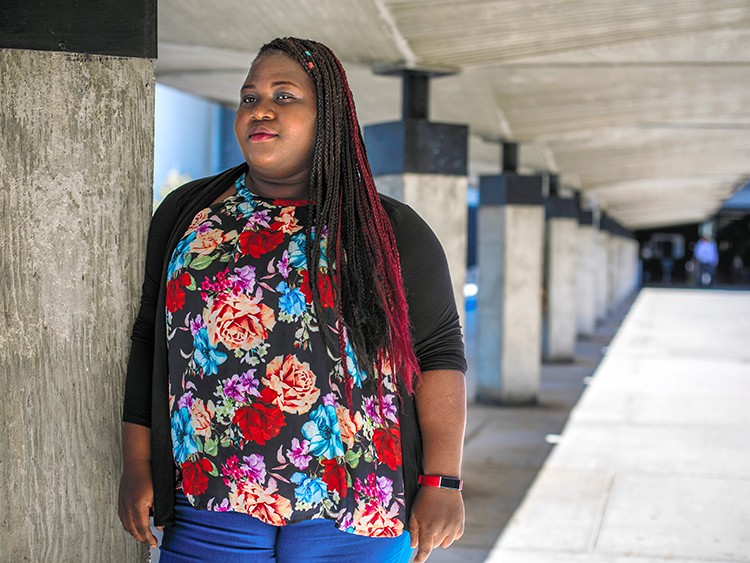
(642, 104)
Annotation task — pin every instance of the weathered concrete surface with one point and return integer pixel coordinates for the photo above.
(601, 243)
(441, 201)
(586, 281)
(561, 264)
(653, 464)
(75, 200)
(509, 302)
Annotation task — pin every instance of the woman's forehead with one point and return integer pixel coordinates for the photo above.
(276, 65)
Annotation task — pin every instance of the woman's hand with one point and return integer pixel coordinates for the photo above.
(437, 515)
(437, 519)
(135, 501)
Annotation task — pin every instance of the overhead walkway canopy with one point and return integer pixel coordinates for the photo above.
(640, 104)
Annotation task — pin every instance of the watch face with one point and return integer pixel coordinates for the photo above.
(450, 483)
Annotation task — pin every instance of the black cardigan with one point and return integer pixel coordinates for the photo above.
(436, 330)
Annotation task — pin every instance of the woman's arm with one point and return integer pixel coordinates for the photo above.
(136, 497)
(437, 516)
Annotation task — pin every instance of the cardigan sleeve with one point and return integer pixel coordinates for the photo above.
(436, 327)
(137, 404)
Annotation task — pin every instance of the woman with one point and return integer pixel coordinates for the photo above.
(312, 370)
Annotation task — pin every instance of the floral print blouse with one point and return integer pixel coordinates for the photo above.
(258, 415)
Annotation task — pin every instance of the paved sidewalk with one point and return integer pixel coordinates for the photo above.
(654, 462)
(507, 446)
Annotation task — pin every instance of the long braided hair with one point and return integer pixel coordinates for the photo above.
(361, 246)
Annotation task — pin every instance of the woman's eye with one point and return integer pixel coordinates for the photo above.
(284, 96)
(247, 99)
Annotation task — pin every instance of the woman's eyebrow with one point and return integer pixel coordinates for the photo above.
(250, 85)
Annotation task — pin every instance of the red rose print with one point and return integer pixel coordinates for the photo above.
(388, 446)
(334, 475)
(304, 285)
(194, 478)
(325, 288)
(175, 293)
(258, 422)
(257, 243)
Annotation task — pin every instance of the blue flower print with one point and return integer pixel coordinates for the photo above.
(358, 376)
(206, 356)
(324, 433)
(178, 256)
(297, 246)
(182, 435)
(298, 249)
(292, 301)
(309, 490)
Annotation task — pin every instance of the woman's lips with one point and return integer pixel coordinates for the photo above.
(261, 136)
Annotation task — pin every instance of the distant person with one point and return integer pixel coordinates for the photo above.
(737, 265)
(707, 256)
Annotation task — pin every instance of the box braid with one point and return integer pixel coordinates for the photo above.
(361, 247)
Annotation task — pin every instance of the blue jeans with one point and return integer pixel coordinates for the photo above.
(201, 535)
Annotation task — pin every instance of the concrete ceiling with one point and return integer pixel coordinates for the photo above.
(644, 105)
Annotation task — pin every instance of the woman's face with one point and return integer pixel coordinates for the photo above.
(276, 121)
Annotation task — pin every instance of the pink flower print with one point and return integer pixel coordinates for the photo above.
(297, 455)
(255, 468)
(196, 325)
(372, 410)
(385, 489)
(249, 384)
(329, 400)
(223, 507)
(186, 401)
(233, 389)
(243, 280)
(283, 265)
(232, 470)
(389, 409)
(259, 219)
(374, 487)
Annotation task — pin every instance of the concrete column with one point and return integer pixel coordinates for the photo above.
(510, 241)
(613, 267)
(602, 277)
(441, 201)
(586, 276)
(76, 163)
(560, 266)
(424, 164)
(634, 266)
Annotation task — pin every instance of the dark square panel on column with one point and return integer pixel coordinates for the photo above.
(418, 146)
(510, 188)
(125, 28)
(556, 206)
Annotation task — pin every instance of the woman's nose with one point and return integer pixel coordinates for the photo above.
(263, 111)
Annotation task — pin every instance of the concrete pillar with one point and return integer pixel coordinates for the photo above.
(634, 266)
(586, 275)
(441, 201)
(602, 277)
(510, 240)
(75, 200)
(424, 164)
(560, 266)
(612, 271)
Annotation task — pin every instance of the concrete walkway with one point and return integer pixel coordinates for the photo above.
(654, 462)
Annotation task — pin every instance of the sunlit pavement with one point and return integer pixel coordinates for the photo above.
(654, 462)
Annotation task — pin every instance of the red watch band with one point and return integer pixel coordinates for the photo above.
(441, 481)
